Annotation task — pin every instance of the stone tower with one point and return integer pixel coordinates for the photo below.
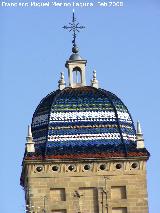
(83, 154)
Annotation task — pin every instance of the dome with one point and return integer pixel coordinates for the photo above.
(75, 56)
(83, 122)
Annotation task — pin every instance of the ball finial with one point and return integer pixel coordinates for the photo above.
(75, 49)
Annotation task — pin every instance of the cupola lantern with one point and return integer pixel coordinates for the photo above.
(75, 64)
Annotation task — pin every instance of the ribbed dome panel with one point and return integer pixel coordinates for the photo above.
(82, 122)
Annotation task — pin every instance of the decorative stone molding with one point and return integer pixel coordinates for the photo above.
(103, 167)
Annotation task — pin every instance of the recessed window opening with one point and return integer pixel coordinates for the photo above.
(77, 79)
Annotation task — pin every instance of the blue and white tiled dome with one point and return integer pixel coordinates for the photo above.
(82, 122)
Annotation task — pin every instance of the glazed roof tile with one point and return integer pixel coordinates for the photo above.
(83, 122)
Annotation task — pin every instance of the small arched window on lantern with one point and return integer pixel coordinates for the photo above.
(77, 76)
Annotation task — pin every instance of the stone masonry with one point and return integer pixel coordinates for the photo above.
(86, 186)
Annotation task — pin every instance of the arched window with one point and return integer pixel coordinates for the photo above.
(77, 79)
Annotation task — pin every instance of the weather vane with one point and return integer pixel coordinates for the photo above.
(75, 28)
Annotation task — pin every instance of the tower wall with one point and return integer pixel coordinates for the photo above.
(119, 186)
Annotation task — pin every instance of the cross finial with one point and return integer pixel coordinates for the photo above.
(75, 28)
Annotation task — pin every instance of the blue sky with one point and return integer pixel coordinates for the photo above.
(121, 43)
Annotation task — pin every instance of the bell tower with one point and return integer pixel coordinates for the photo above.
(83, 153)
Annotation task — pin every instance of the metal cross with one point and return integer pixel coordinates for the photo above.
(74, 26)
